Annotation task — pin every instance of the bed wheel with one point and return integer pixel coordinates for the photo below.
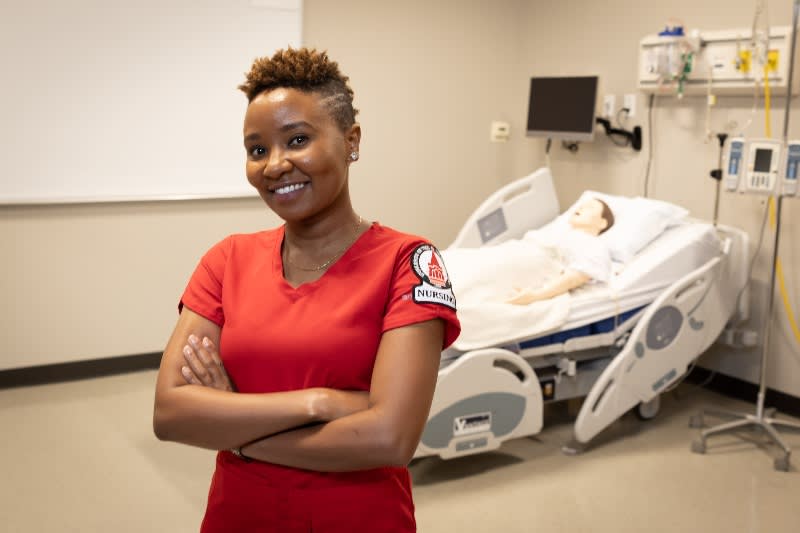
(573, 447)
(698, 446)
(649, 410)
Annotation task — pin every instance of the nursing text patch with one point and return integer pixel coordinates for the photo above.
(429, 268)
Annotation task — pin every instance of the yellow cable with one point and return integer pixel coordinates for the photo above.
(786, 304)
(772, 220)
(767, 126)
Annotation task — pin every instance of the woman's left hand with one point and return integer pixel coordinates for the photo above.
(204, 366)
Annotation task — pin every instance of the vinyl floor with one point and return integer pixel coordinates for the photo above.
(81, 457)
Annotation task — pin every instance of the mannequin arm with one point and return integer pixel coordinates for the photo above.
(566, 281)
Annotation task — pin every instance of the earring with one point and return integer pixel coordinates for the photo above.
(353, 156)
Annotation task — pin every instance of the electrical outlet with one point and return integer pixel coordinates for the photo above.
(609, 105)
(629, 103)
(499, 131)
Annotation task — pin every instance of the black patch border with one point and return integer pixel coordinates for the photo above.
(418, 250)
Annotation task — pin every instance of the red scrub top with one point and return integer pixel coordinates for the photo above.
(321, 334)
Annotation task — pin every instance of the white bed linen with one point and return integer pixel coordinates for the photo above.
(484, 278)
(675, 253)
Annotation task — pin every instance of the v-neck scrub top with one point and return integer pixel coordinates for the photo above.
(324, 333)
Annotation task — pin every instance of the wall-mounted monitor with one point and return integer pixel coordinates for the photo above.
(562, 107)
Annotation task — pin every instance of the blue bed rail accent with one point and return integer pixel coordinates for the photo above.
(602, 326)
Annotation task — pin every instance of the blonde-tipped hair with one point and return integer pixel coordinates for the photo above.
(306, 70)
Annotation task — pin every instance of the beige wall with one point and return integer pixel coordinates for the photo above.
(429, 78)
(589, 37)
(92, 281)
(102, 280)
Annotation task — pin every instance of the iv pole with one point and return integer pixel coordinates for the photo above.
(759, 420)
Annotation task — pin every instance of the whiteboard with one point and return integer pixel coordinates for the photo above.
(111, 100)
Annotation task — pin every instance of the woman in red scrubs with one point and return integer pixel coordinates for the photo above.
(308, 353)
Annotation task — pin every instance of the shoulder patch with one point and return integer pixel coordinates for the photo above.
(435, 286)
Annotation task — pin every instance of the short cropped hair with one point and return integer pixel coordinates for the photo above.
(606, 215)
(306, 70)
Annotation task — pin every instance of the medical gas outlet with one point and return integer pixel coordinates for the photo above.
(743, 61)
(727, 61)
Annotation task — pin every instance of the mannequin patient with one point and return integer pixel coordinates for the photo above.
(584, 256)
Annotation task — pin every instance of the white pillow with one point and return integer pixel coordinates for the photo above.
(643, 220)
(637, 221)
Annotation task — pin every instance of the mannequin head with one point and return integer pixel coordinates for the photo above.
(592, 216)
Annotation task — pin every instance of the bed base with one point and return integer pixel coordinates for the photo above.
(485, 397)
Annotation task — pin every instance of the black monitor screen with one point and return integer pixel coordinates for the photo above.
(763, 160)
(562, 107)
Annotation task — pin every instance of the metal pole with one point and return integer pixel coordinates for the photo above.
(766, 424)
(770, 311)
(792, 46)
(721, 137)
(778, 205)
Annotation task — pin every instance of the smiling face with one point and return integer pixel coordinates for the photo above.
(297, 156)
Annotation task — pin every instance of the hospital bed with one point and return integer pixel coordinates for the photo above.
(623, 343)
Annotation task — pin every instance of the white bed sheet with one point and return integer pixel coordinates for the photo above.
(675, 253)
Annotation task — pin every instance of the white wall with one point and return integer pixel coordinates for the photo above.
(96, 281)
(115, 96)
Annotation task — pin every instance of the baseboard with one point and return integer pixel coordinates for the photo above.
(744, 390)
(39, 375)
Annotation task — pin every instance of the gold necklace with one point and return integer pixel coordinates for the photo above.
(335, 256)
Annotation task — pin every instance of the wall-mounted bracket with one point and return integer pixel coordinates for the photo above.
(632, 138)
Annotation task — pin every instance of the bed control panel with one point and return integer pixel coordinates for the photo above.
(492, 225)
(663, 327)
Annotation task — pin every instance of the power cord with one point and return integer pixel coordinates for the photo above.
(755, 255)
(650, 105)
(547, 151)
(622, 123)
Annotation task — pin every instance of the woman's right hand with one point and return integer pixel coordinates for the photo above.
(204, 365)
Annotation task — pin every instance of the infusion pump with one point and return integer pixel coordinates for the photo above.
(762, 166)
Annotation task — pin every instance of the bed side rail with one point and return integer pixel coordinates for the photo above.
(736, 268)
(680, 324)
(522, 205)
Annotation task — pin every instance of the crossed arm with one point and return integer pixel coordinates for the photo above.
(360, 430)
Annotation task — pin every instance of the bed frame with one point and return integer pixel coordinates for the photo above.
(487, 396)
